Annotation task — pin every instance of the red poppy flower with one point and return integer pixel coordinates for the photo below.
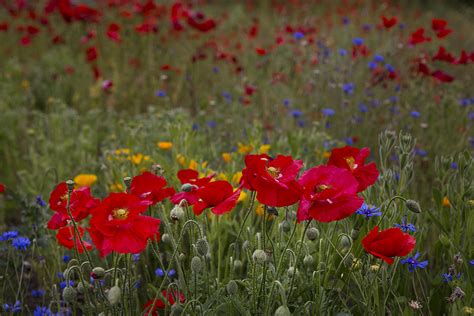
(353, 159)
(113, 32)
(2, 188)
(91, 54)
(274, 180)
(388, 243)
(443, 33)
(218, 195)
(438, 24)
(117, 224)
(65, 237)
(329, 194)
(418, 37)
(443, 55)
(198, 22)
(150, 187)
(191, 177)
(389, 22)
(463, 58)
(159, 304)
(442, 76)
(81, 204)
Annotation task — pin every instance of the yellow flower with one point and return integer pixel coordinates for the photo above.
(137, 159)
(245, 149)
(193, 164)
(326, 154)
(237, 176)
(375, 267)
(122, 151)
(227, 157)
(222, 176)
(259, 210)
(204, 164)
(25, 84)
(165, 145)
(446, 202)
(85, 180)
(264, 149)
(242, 196)
(180, 159)
(116, 187)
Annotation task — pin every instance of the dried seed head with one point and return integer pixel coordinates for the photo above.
(457, 294)
(69, 294)
(283, 310)
(196, 264)
(458, 259)
(259, 256)
(114, 295)
(413, 206)
(97, 273)
(312, 233)
(285, 226)
(202, 246)
(232, 287)
(177, 213)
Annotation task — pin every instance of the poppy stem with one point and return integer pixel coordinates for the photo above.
(297, 258)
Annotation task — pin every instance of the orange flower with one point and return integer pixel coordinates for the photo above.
(165, 145)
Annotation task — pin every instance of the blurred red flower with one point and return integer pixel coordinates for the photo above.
(353, 159)
(151, 309)
(389, 22)
(2, 188)
(150, 187)
(442, 76)
(329, 194)
(65, 237)
(388, 243)
(217, 195)
(117, 224)
(418, 37)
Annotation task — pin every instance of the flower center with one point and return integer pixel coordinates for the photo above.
(274, 172)
(64, 197)
(320, 188)
(351, 162)
(120, 213)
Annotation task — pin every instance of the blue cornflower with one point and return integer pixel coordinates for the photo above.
(369, 211)
(328, 112)
(348, 88)
(227, 96)
(372, 65)
(66, 258)
(413, 263)
(195, 127)
(21, 243)
(159, 272)
(300, 123)
(160, 93)
(363, 108)
(421, 152)
(296, 114)
(406, 227)
(471, 262)
(62, 284)
(16, 308)
(358, 41)
(38, 293)
(349, 141)
(378, 58)
(40, 202)
(393, 99)
(454, 165)
(464, 102)
(42, 311)
(287, 102)
(415, 114)
(470, 115)
(346, 20)
(298, 35)
(215, 70)
(212, 124)
(366, 27)
(137, 284)
(136, 257)
(8, 235)
(448, 277)
(342, 52)
(389, 68)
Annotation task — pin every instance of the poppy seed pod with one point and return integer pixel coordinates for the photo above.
(259, 256)
(285, 226)
(283, 310)
(114, 295)
(345, 242)
(166, 238)
(272, 211)
(291, 271)
(70, 185)
(182, 257)
(69, 294)
(237, 266)
(413, 206)
(177, 213)
(354, 233)
(232, 287)
(202, 246)
(312, 233)
(97, 273)
(127, 181)
(196, 264)
(308, 262)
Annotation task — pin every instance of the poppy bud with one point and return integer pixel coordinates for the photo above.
(272, 211)
(283, 310)
(70, 185)
(157, 169)
(245, 245)
(345, 242)
(232, 287)
(182, 257)
(176, 309)
(354, 233)
(196, 264)
(114, 295)
(97, 273)
(127, 181)
(69, 294)
(285, 226)
(259, 256)
(166, 238)
(177, 213)
(413, 206)
(312, 233)
(291, 271)
(237, 266)
(202, 246)
(186, 187)
(308, 262)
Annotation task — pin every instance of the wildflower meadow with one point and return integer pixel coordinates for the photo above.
(254, 157)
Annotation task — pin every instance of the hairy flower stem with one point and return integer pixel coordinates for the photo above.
(264, 276)
(297, 258)
(249, 210)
